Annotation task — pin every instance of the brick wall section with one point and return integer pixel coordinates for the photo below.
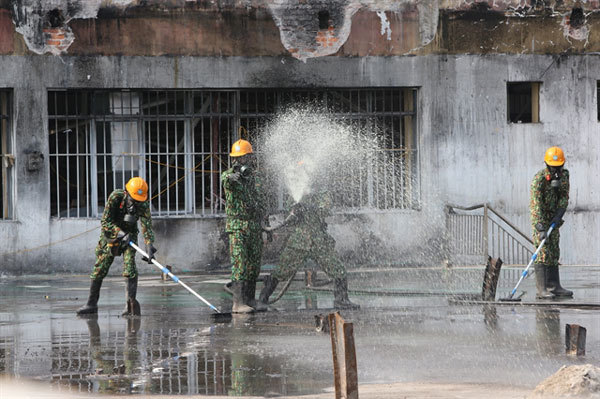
(7, 30)
(298, 22)
(58, 40)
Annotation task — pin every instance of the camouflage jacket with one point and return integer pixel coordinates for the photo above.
(545, 200)
(311, 228)
(114, 212)
(245, 201)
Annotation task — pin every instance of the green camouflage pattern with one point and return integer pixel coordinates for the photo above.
(111, 223)
(310, 240)
(114, 212)
(245, 208)
(544, 202)
(245, 250)
(245, 201)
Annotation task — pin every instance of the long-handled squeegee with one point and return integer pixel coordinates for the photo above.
(218, 315)
(524, 274)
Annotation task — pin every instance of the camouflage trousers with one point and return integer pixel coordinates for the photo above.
(321, 251)
(245, 250)
(550, 252)
(105, 258)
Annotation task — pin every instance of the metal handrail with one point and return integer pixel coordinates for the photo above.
(485, 235)
(474, 207)
(512, 226)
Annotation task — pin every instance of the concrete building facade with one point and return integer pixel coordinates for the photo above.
(484, 89)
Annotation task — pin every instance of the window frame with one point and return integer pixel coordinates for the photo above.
(533, 100)
(7, 159)
(224, 113)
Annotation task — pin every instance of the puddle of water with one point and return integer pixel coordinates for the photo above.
(171, 361)
(174, 348)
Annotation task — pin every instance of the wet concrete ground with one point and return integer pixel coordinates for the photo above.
(176, 348)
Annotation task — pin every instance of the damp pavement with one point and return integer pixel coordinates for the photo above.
(409, 330)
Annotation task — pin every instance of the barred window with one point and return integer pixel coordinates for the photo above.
(6, 157)
(179, 141)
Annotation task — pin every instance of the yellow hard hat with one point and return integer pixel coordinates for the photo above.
(554, 156)
(137, 188)
(240, 148)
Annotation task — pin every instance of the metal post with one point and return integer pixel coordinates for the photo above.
(575, 339)
(490, 279)
(3, 152)
(446, 262)
(485, 234)
(344, 357)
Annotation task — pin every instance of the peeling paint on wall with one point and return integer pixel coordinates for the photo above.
(302, 36)
(307, 28)
(44, 24)
(574, 26)
(302, 31)
(385, 25)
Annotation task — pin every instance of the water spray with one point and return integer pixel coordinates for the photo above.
(308, 147)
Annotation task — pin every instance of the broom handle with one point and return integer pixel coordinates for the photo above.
(173, 277)
(533, 258)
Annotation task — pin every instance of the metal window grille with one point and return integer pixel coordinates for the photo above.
(179, 141)
(597, 99)
(160, 361)
(6, 156)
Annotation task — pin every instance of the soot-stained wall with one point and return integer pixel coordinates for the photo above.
(468, 152)
(459, 55)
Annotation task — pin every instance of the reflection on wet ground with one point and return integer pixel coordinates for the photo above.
(176, 348)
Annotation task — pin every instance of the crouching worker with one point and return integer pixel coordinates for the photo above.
(119, 227)
(310, 240)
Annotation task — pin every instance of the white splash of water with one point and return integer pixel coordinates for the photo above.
(306, 146)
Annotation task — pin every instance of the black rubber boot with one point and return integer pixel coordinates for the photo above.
(250, 293)
(270, 284)
(239, 298)
(93, 330)
(132, 306)
(554, 286)
(340, 295)
(227, 288)
(92, 303)
(541, 282)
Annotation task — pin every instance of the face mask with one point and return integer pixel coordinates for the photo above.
(555, 174)
(245, 170)
(130, 216)
(243, 167)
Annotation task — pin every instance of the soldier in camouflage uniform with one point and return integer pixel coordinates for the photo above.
(549, 200)
(245, 208)
(310, 240)
(119, 227)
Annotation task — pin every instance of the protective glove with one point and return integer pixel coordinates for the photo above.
(235, 177)
(266, 227)
(269, 236)
(123, 238)
(150, 250)
(560, 212)
(298, 209)
(541, 231)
